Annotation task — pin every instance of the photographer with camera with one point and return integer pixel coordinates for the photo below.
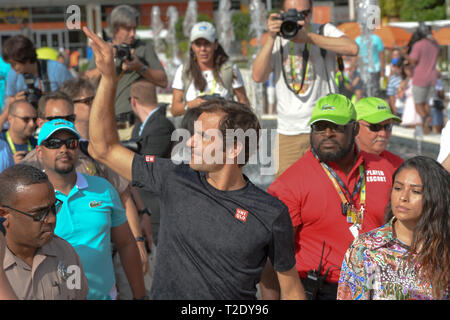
(208, 75)
(29, 77)
(134, 60)
(22, 123)
(303, 72)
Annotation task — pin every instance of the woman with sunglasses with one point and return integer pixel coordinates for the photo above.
(409, 256)
(375, 128)
(208, 74)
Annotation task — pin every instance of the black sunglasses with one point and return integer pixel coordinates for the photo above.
(378, 127)
(56, 143)
(87, 100)
(321, 126)
(70, 118)
(40, 214)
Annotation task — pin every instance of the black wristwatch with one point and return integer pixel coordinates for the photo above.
(145, 210)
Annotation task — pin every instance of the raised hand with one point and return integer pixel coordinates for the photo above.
(104, 57)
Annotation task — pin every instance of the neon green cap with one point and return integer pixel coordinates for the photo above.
(374, 110)
(335, 108)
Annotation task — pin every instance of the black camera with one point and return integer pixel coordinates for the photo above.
(123, 52)
(289, 26)
(32, 93)
(209, 97)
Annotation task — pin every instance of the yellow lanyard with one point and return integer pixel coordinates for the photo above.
(13, 147)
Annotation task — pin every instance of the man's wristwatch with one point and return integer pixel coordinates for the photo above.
(143, 69)
(145, 210)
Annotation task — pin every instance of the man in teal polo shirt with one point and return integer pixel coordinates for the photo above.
(92, 215)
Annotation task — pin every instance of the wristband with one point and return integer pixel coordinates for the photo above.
(145, 210)
(140, 239)
(186, 107)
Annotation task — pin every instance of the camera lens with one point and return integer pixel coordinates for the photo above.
(289, 29)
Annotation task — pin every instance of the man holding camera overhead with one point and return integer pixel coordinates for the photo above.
(302, 71)
(134, 59)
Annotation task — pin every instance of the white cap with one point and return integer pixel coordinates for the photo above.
(203, 30)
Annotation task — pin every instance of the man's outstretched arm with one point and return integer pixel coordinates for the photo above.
(104, 141)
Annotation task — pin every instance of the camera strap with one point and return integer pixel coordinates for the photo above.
(295, 88)
(43, 75)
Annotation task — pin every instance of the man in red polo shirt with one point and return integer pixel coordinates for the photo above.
(334, 192)
(375, 128)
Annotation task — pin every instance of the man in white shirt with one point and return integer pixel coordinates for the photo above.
(312, 77)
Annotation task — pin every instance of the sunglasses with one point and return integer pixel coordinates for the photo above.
(70, 118)
(40, 214)
(321, 126)
(378, 127)
(87, 100)
(55, 143)
(26, 119)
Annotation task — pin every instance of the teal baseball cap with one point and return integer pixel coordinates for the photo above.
(54, 126)
(335, 108)
(374, 110)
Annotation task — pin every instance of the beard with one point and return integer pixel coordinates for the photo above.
(64, 167)
(333, 156)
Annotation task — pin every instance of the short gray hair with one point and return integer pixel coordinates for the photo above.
(122, 16)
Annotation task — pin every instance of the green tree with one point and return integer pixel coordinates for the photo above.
(423, 10)
(241, 24)
(391, 8)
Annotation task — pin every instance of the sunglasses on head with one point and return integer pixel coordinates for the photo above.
(55, 143)
(40, 214)
(70, 118)
(321, 126)
(378, 127)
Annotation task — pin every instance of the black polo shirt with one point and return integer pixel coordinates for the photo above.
(213, 244)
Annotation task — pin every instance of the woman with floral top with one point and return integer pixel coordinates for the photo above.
(408, 257)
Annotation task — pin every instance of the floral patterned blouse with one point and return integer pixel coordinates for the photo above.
(375, 268)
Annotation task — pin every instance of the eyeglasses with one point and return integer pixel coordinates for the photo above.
(70, 117)
(322, 126)
(55, 143)
(378, 127)
(87, 100)
(25, 119)
(40, 214)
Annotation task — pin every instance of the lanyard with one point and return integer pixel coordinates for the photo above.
(347, 205)
(213, 88)
(12, 146)
(305, 67)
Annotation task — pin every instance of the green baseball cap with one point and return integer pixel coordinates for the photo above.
(374, 110)
(335, 108)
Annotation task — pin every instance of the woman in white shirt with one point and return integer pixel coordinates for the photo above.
(208, 73)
